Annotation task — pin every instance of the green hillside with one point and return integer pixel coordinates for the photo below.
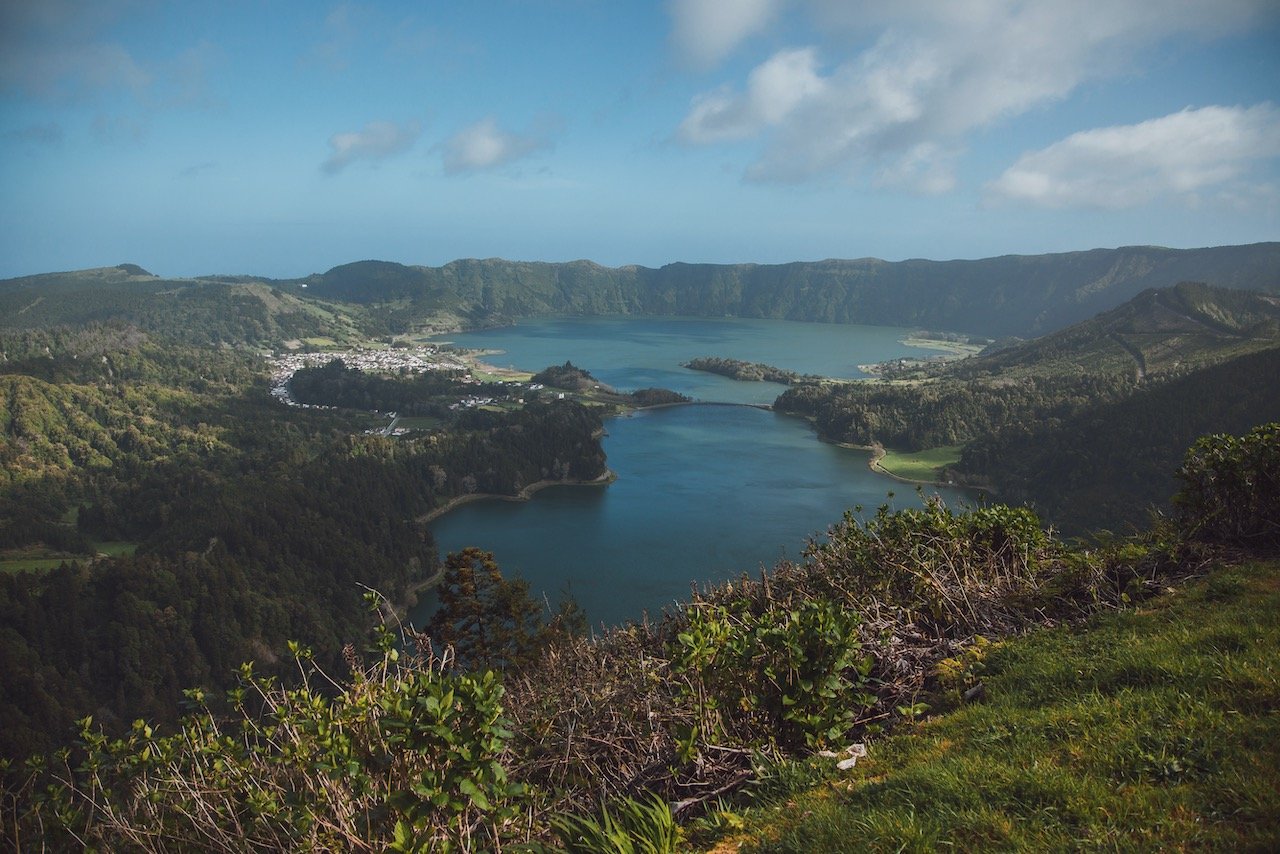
(163, 518)
(1085, 423)
(1108, 465)
(1168, 329)
(1149, 730)
(204, 312)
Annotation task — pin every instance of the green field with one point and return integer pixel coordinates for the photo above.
(43, 560)
(1151, 729)
(116, 548)
(418, 422)
(921, 465)
(34, 564)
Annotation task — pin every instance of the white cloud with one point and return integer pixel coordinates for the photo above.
(934, 72)
(706, 31)
(484, 145)
(375, 142)
(1182, 155)
(773, 90)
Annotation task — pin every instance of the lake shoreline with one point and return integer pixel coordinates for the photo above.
(414, 594)
(524, 494)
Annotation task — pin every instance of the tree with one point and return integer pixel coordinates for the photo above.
(489, 621)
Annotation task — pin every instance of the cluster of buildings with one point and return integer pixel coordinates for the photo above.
(390, 361)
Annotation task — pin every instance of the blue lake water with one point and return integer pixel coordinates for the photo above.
(703, 492)
(630, 353)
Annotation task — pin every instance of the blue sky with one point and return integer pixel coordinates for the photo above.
(283, 138)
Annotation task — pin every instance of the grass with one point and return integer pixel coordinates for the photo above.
(115, 548)
(419, 422)
(1154, 729)
(921, 465)
(40, 559)
(34, 564)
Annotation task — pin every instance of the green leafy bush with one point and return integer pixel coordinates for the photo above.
(790, 671)
(404, 755)
(1231, 488)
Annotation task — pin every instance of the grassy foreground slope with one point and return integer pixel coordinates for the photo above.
(1151, 729)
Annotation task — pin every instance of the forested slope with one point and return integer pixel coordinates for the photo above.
(199, 523)
(1107, 465)
(1084, 423)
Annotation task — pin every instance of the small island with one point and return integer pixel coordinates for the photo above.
(736, 369)
(574, 379)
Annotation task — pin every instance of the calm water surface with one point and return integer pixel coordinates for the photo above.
(630, 353)
(703, 492)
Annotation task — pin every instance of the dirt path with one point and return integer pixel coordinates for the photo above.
(1134, 352)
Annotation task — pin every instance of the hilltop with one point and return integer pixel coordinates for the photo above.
(1161, 329)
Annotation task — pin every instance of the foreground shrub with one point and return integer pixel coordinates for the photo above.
(1231, 488)
(403, 755)
(786, 675)
(954, 573)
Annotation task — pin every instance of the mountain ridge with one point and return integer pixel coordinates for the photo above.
(989, 296)
(1008, 295)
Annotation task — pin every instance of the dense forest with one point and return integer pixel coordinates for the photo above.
(1086, 423)
(1107, 464)
(425, 394)
(737, 369)
(165, 519)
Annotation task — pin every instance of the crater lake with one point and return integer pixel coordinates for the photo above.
(703, 492)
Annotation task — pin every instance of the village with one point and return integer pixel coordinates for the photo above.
(401, 361)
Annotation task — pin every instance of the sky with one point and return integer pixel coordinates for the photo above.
(284, 138)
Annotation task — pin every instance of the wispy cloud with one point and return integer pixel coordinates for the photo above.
(48, 133)
(71, 72)
(375, 142)
(60, 51)
(118, 129)
(706, 31)
(1183, 155)
(197, 169)
(484, 145)
(901, 109)
(334, 49)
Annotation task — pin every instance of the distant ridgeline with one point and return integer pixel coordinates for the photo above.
(1022, 295)
(1010, 295)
